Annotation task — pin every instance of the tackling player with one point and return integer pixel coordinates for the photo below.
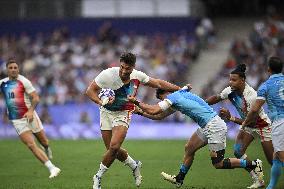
(212, 131)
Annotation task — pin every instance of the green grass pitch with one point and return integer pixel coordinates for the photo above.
(79, 160)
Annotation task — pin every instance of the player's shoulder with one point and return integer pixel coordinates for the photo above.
(22, 78)
(111, 70)
(136, 72)
(4, 80)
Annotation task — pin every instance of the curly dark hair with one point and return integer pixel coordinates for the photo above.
(240, 70)
(128, 58)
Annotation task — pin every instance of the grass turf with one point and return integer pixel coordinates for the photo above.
(80, 159)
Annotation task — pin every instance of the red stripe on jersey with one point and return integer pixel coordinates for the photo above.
(260, 123)
(20, 99)
(129, 105)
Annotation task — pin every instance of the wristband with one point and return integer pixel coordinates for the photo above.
(184, 88)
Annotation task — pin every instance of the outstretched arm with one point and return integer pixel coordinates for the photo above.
(149, 109)
(251, 117)
(159, 116)
(213, 99)
(161, 84)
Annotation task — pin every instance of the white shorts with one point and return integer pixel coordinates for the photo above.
(278, 135)
(214, 133)
(263, 133)
(22, 125)
(110, 119)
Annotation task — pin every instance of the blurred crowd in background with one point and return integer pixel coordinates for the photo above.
(61, 66)
(265, 39)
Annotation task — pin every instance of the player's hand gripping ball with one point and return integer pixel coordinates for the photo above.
(106, 95)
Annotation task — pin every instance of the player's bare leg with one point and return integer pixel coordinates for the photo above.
(118, 136)
(193, 145)
(43, 140)
(219, 162)
(28, 139)
(243, 140)
(125, 158)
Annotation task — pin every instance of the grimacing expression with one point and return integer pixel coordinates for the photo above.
(125, 70)
(236, 82)
(13, 70)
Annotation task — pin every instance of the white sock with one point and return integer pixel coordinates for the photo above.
(130, 162)
(102, 170)
(253, 175)
(49, 165)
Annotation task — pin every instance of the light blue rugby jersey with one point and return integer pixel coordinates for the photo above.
(192, 105)
(272, 90)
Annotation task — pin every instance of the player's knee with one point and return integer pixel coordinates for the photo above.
(114, 148)
(31, 145)
(217, 158)
(238, 151)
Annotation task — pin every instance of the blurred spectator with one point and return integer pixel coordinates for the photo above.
(85, 118)
(45, 116)
(266, 39)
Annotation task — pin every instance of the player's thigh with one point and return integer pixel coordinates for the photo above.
(118, 136)
(244, 138)
(106, 135)
(27, 138)
(194, 143)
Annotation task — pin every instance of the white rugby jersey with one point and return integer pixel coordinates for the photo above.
(244, 103)
(109, 78)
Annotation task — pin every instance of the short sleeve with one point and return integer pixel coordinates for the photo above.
(261, 92)
(225, 93)
(28, 85)
(101, 79)
(142, 77)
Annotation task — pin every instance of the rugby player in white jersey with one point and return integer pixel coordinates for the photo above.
(115, 115)
(242, 96)
(21, 100)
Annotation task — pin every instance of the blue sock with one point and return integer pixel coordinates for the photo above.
(243, 163)
(275, 173)
(184, 169)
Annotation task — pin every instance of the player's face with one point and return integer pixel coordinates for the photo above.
(236, 82)
(13, 70)
(125, 70)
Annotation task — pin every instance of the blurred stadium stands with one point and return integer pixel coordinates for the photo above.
(61, 51)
